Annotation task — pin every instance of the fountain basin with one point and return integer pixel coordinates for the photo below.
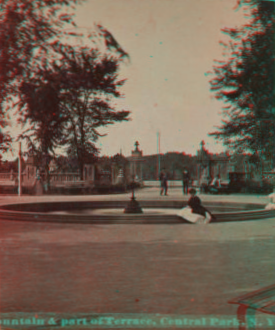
(111, 212)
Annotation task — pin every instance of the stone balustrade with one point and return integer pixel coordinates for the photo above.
(64, 177)
(55, 178)
(6, 176)
(270, 176)
(156, 183)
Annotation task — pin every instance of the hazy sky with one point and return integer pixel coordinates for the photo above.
(172, 44)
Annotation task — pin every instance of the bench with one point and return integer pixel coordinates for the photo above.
(262, 300)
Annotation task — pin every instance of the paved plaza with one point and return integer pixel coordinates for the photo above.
(165, 269)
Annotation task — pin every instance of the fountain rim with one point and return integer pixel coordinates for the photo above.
(9, 211)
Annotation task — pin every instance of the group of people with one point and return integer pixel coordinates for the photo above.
(213, 186)
(163, 178)
(194, 211)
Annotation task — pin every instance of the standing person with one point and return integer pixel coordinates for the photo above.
(194, 211)
(161, 175)
(163, 183)
(185, 181)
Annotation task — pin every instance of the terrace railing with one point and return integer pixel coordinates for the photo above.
(270, 176)
(6, 176)
(57, 178)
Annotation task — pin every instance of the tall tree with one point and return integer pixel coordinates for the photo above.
(245, 82)
(40, 100)
(67, 97)
(89, 85)
(27, 30)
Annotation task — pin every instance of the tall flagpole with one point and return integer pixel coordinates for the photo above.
(19, 171)
(158, 153)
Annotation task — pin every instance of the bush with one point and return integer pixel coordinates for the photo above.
(258, 187)
(117, 188)
(134, 185)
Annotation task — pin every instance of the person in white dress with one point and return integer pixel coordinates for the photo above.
(215, 185)
(271, 204)
(194, 212)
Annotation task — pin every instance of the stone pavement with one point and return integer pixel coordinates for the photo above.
(165, 269)
(141, 194)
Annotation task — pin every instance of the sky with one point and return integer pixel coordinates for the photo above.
(172, 44)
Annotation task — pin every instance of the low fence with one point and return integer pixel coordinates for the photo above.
(56, 178)
(270, 176)
(7, 176)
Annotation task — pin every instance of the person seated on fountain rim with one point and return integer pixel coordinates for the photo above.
(195, 212)
(271, 204)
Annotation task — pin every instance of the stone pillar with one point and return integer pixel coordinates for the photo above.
(38, 186)
(136, 164)
(113, 174)
(89, 172)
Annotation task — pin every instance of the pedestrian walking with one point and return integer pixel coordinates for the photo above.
(160, 180)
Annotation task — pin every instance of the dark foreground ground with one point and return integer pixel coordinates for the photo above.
(141, 269)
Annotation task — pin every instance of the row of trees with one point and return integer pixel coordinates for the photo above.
(172, 162)
(63, 93)
(245, 83)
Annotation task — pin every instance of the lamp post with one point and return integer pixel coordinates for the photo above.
(158, 155)
(19, 170)
(133, 206)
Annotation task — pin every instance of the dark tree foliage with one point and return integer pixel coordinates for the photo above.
(111, 43)
(69, 97)
(5, 142)
(173, 162)
(67, 100)
(65, 93)
(9, 166)
(88, 84)
(40, 101)
(27, 30)
(118, 162)
(66, 164)
(245, 82)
